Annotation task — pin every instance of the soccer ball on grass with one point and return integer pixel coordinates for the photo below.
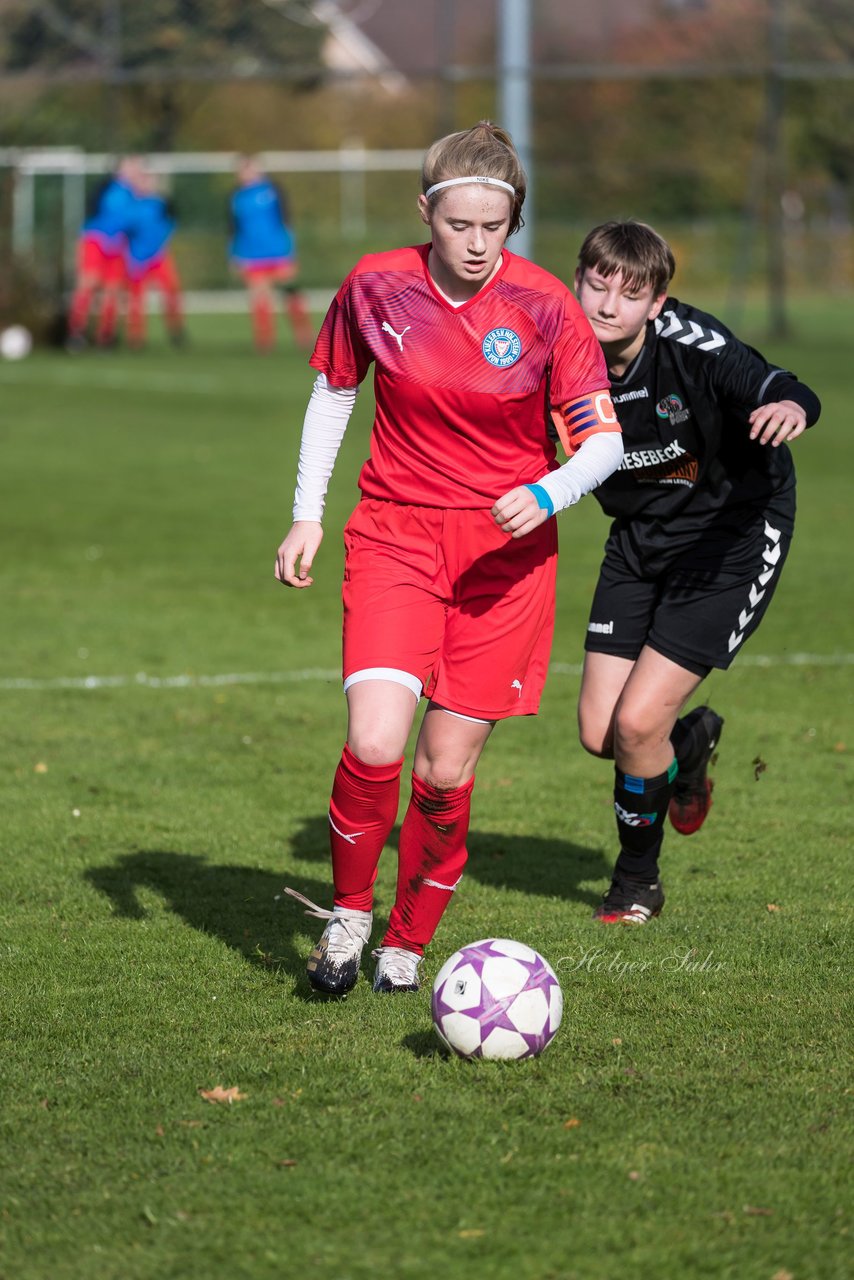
(496, 999)
(16, 342)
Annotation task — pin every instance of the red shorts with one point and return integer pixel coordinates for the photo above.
(272, 272)
(450, 599)
(162, 273)
(94, 259)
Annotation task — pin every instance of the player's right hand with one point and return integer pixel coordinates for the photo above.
(301, 545)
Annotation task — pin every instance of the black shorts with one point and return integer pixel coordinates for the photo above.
(700, 609)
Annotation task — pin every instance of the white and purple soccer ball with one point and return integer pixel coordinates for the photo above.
(496, 999)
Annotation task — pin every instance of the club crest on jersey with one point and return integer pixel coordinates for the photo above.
(671, 407)
(502, 347)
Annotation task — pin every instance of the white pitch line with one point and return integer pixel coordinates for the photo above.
(141, 680)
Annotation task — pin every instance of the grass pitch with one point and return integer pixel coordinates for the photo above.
(171, 719)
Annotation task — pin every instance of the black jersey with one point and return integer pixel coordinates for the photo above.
(689, 463)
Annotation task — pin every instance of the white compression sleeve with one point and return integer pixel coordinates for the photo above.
(589, 466)
(326, 417)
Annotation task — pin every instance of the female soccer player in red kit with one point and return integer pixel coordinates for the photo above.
(449, 583)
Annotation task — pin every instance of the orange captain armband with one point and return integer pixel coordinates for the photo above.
(578, 419)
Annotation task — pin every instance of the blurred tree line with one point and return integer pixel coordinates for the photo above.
(672, 119)
(692, 111)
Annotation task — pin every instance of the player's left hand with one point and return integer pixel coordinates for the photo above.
(518, 512)
(774, 423)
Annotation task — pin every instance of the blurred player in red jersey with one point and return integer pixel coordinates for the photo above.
(263, 250)
(101, 272)
(150, 263)
(451, 553)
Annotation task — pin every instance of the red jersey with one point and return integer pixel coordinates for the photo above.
(462, 393)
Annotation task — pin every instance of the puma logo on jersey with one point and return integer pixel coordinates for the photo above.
(397, 336)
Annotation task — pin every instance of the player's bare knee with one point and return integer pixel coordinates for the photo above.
(633, 731)
(374, 749)
(597, 744)
(596, 739)
(444, 779)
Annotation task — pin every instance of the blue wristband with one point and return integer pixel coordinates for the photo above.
(543, 499)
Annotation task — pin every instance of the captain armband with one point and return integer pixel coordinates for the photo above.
(578, 419)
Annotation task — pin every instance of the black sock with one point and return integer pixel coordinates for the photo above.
(641, 807)
(688, 737)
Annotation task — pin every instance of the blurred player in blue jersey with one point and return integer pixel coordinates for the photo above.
(263, 250)
(101, 273)
(150, 262)
(703, 508)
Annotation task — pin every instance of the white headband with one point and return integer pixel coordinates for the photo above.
(458, 182)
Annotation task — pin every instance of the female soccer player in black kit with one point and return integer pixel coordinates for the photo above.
(704, 508)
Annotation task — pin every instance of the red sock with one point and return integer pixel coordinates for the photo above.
(361, 815)
(432, 856)
(79, 310)
(263, 324)
(108, 319)
(136, 318)
(300, 321)
(174, 314)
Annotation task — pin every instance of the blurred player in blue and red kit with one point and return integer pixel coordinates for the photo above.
(101, 269)
(263, 250)
(451, 553)
(150, 262)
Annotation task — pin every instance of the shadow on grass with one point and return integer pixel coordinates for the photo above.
(243, 906)
(247, 909)
(424, 1044)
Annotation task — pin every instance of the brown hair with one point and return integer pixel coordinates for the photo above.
(633, 248)
(484, 151)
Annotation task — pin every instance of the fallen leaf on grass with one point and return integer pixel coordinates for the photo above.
(473, 1234)
(771, 906)
(633, 1175)
(572, 1123)
(287, 1164)
(279, 1102)
(782, 1275)
(755, 1212)
(191, 1124)
(839, 746)
(41, 767)
(160, 1131)
(218, 1094)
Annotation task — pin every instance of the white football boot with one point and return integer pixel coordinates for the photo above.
(333, 966)
(397, 970)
